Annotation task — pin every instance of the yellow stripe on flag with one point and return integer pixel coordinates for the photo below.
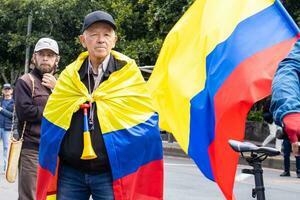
(51, 197)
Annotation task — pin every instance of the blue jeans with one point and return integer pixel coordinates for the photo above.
(4, 135)
(287, 148)
(74, 184)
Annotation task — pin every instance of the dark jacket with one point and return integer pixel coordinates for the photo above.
(30, 107)
(72, 144)
(267, 115)
(6, 114)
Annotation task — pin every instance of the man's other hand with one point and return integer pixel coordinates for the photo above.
(48, 81)
(292, 128)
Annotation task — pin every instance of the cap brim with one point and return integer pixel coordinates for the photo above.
(39, 49)
(104, 21)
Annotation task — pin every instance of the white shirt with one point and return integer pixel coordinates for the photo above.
(101, 69)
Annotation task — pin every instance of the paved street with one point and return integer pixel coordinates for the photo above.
(183, 181)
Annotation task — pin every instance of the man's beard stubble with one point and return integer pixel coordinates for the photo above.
(45, 68)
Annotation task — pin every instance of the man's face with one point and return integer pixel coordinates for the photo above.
(99, 39)
(45, 60)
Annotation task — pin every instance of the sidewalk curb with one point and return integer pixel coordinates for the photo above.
(173, 149)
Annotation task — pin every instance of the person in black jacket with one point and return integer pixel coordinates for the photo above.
(267, 115)
(31, 94)
(287, 149)
(6, 114)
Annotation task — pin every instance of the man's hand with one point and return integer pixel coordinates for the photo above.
(48, 81)
(292, 128)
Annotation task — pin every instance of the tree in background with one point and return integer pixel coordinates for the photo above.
(293, 7)
(142, 26)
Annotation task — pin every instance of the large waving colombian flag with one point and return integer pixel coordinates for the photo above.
(128, 123)
(215, 63)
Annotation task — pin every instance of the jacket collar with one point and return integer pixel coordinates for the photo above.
(111, 67)
(37, 73)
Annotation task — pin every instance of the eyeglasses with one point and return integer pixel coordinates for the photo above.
(45, 54)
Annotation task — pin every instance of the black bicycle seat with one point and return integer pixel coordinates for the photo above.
(249, 147)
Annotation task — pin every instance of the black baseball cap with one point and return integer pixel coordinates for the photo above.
(98, 16)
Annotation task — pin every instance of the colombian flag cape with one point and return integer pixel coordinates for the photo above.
(129, 126)
(215, 63)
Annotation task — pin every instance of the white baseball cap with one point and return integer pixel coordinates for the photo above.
(46, 43)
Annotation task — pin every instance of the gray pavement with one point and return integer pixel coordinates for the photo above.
(8, 191)
(183, 181)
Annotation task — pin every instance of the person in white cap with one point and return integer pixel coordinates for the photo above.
(31, 94)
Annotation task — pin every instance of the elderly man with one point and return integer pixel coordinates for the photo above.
(31, 94)
(100, 122)
(6, 115)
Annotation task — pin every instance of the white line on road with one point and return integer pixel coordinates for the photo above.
(242, 177)
(181, 165)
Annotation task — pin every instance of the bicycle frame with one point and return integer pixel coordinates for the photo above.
(255, 161)
(257, 156)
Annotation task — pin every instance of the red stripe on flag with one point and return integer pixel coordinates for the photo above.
(248, 83)
(46, 183)
(142, 184)
(42, 183)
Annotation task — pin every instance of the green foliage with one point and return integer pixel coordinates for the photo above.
(256, 112)
(255, 116)
(142, 26)
(293, 7)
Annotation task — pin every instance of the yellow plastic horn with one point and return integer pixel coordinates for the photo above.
(88, 152)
